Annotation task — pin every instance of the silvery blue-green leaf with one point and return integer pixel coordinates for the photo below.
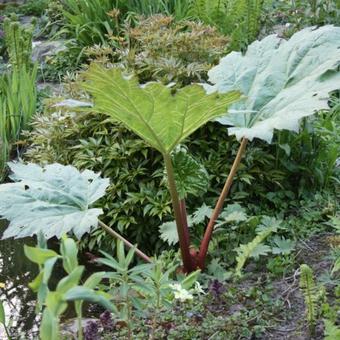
(168, 232)
(268, 222)
(201, 214)
(283, 81)
(260, 249)
(53, 199)
(233, 213)
(282, 245)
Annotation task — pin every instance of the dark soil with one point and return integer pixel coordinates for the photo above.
(293, 325)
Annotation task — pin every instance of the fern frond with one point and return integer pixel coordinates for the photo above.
(244, 251)
(310, 293)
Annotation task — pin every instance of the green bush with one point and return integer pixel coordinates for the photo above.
(240, 19)
(85, 141)
(138, 196)
(276, 174)
(159, 48)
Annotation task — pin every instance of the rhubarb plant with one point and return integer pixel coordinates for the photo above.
(162, 118)
(282, 82)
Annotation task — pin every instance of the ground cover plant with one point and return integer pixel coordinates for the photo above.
(179, 177)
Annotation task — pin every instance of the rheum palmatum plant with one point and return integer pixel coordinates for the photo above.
(162, 118)
(283, 81)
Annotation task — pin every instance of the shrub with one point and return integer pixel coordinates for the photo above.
(159, 48)
(89, 141)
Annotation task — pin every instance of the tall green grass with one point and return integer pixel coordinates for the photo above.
(18, 99)
(88, 21)
(18, 93)
(179, 9)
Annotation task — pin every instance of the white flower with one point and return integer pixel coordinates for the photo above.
(181, 293)
(198, 288)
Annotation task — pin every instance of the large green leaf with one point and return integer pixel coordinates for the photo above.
(53, 200)
(39, 255)
(283, 81)
(163, 119)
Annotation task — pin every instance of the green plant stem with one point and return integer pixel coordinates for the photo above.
(182, 227)
(219, 205)
(126, 242)
(80, 326)
(7, 332)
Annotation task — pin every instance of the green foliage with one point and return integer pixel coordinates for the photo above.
(158, 116)
(89, 22)
(256, 248)
(331, 330)
(240, 19)
(34, 7)
(18, 41)
(168, 231)
(28, 7)
(137, 195)
(129, 282)
(51, 200)
(281, 83)
(141, 289)
(3, 320)
(313, 152)
(282, 245)
(292, 16)
(159, 48)
(190, 175)
(310, 292)
(54, 303)
(18, 94)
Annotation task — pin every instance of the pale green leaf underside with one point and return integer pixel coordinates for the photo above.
(161, 118)
(168, 232)
(283, 81)
(54, 200)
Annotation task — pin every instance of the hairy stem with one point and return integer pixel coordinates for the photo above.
(180, 217)
(219, 205)
(126, 242)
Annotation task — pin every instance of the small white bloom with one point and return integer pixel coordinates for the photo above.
(181, 293)
(198, 288)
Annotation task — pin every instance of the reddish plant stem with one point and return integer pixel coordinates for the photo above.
(184, 217)
(126, 242)
(219, 205)
(181, 221)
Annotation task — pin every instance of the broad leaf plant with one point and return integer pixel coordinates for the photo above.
(272, 86)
